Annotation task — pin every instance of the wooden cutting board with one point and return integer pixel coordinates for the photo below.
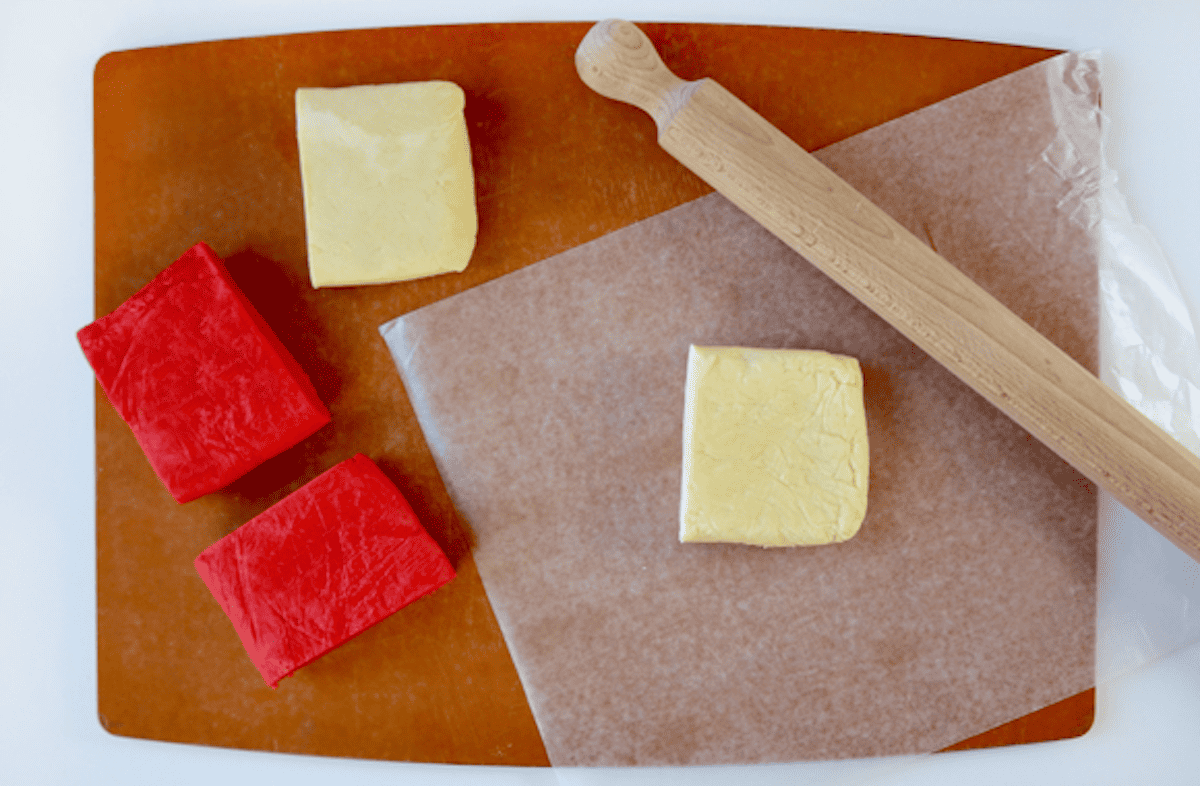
(197, 142)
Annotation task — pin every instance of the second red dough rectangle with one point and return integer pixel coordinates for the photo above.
(321, 566)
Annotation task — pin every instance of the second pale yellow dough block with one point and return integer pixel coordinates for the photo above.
(775, 447)
(389, 192)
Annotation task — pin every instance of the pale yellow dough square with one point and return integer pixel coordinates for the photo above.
(774, 447)
(389, 193)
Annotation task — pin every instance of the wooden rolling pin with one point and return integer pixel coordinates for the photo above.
(901, 279)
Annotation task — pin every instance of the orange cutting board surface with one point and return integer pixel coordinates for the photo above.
(197, 142)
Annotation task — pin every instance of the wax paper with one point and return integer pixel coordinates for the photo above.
(552, 400)
(321, 566)
(203, 382)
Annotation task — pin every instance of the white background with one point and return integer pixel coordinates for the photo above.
(1148, 727)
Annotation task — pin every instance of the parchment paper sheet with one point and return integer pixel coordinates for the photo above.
(552, 399)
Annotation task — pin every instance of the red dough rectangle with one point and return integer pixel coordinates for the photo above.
(321, 566)
(203, 382)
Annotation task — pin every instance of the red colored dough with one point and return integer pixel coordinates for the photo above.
(320, 566)
(203, 382)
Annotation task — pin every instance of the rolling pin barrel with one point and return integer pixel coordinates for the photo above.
(901, 279)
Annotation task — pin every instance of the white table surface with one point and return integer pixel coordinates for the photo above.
(1148, 723)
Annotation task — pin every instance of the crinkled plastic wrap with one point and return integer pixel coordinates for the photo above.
(1149, 591)
(548, 398)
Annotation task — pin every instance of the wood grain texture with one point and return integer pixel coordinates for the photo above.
(899, 277)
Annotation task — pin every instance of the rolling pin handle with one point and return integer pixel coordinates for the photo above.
(618, 61)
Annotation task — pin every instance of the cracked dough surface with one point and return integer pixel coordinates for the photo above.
(775, 447)
(389, 192)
